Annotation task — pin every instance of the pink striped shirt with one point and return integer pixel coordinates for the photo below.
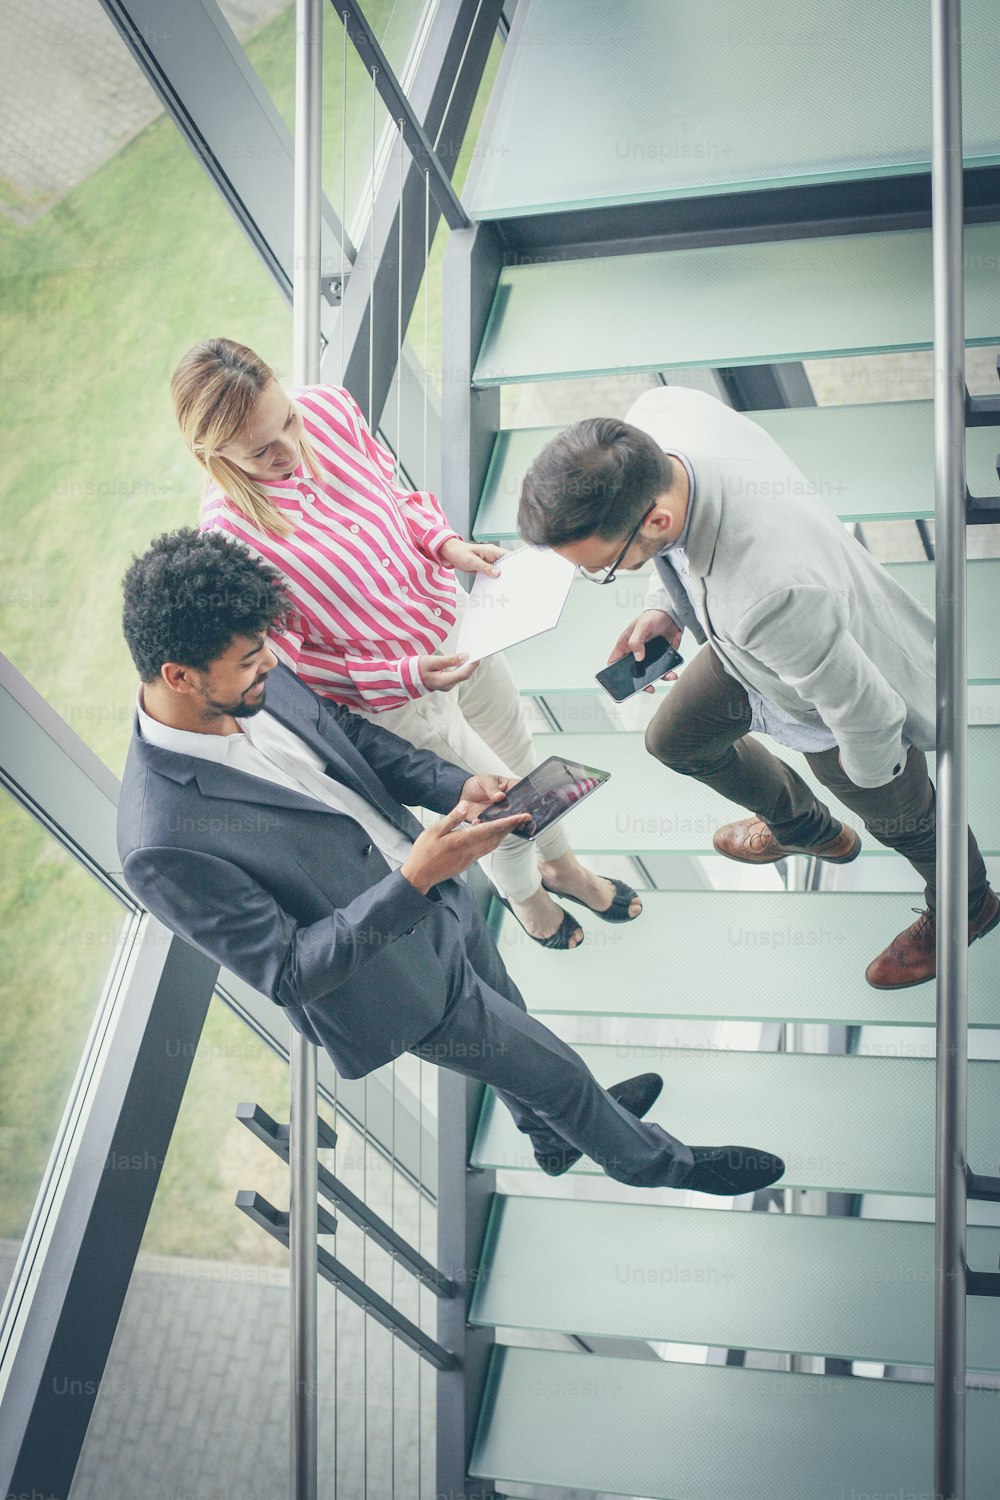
(371, 595)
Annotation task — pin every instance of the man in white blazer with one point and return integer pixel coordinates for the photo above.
(806, 638)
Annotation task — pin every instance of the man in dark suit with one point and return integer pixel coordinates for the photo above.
(275, 839)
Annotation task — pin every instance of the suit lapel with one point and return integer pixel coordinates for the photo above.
(706, 519)
(215, 780)
(339, 756)
(298, 709)
(703, 538)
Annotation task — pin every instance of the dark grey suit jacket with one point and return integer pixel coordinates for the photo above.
(289, 894)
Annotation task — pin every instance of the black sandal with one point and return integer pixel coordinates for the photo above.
(558, 939)
(620, 901)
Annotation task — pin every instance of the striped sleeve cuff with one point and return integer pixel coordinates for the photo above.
(409, 675)
(435, 538)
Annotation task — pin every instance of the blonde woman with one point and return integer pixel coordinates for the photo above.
(370, 568)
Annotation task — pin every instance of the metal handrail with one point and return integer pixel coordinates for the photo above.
(302, 1226)
(947, 226)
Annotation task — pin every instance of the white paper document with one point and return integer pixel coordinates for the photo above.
(526, 600)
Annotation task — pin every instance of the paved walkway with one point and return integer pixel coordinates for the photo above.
(194, 1400)
(74, 96)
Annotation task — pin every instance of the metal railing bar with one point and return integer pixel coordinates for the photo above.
(951, 1117)
(396, 102)
(275, 1137)
(275, 1221)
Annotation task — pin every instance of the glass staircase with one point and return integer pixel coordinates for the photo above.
(593, 620)
(637, 1428)
(871, 463)
(704, 122)
(649, 810)
(668, 99)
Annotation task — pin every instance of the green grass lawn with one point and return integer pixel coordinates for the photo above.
(98, 299)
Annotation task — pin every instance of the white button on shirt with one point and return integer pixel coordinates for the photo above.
(267, 749)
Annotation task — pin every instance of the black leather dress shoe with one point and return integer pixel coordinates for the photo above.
(729, 1170)
(637, 1095)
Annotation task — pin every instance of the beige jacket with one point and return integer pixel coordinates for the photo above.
(796, 607)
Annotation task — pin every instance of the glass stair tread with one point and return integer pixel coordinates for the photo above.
(729, 305)
(743, 956)
(647, 808)
(565, 659)
(840, 1123)
(869, 462)
(591, 112)
(673, 1431)
(798, 1283)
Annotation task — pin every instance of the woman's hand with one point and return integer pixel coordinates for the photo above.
(471, 557)
(439, 674)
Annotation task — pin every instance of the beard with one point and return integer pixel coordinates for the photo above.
(247, 710)
(648, 549)
(241, 709)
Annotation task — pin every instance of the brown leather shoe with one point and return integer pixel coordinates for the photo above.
(911, 958)
(753, 842)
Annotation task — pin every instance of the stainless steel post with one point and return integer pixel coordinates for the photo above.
(302, 1114)
(952, 745)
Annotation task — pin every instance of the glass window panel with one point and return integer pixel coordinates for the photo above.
(472, 147)
(59, 933)
(271, 50)
(113, 264)
(195, 1396)
(191, 1402)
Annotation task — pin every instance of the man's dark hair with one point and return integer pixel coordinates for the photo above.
(594, 479)
(190, 593)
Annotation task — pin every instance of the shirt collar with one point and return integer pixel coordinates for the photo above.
(183, 741)
(286, 494)
(682, 540)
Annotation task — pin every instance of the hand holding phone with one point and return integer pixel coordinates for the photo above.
(627, 675)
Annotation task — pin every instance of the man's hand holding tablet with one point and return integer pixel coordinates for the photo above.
(545, 795)
(458, 840)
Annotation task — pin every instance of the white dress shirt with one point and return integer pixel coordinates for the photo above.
(265, 748)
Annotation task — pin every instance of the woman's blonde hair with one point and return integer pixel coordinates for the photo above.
(215, 388)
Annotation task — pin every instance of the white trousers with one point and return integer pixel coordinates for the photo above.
(480, 725)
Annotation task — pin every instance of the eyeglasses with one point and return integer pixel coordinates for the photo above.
(607, 575)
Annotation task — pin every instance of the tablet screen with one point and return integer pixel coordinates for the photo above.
(548, 792)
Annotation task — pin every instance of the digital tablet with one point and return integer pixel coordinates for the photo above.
(547, 793)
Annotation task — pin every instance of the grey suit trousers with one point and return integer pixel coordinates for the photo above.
(487, 1034)
(701, 730)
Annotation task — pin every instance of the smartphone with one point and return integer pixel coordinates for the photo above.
(627, 676)
(547, 793)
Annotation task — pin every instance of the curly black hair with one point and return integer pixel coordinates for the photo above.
(190, 593)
